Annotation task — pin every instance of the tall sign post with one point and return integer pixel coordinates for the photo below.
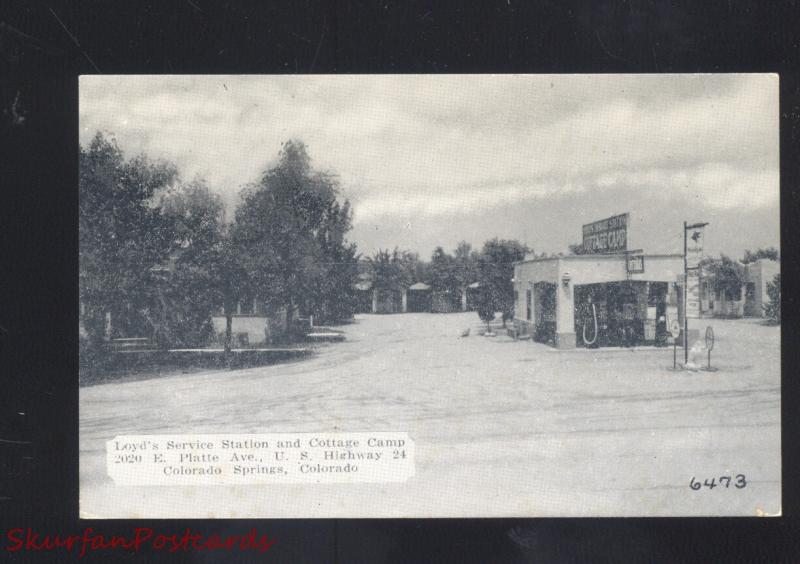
(692, 252)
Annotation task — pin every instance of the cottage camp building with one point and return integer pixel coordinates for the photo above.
(416, 298)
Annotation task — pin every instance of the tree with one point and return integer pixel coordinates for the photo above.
(465, 265)
(122, 235)
(393, 271)
(773, 308)
(487, 299)
(336, 298)
(724, 275)
(442, 271)
(486, 308)
(194, 286)
(768, 253)
(334, 295)
(577, 249)
(417, 269)
(496, 271)
(230, 277)
(289, 229)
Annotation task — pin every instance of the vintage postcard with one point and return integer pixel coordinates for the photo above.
(429, 296)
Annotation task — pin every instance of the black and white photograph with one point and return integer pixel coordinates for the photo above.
(429, 296)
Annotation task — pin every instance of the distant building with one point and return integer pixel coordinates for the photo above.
(364, 294)
(252, 323)
(751, 300)
(759, 274)
(417, 298)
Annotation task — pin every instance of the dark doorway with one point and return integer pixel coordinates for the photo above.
(620, 314)
(419, 301)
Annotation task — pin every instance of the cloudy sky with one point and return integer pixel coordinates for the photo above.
(431, 160)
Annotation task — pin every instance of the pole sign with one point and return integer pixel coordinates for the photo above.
(694, 246)
(709, 343)
(710, 338)
(675, 328)
(693, 294)
(608, 235)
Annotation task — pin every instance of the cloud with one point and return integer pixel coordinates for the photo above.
(437, 147)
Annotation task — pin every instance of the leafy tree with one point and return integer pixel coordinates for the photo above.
(443, 271)
(393, 271)
(577, 249)
(496, 270)
(487, 299)
(773, 308)
(724, 275)
(337, 298)
(334, 295)
(418, 270)
(465, 265)
(768, 253)
(122, 234)
(486, 307)
(194, 285)
(289, 230)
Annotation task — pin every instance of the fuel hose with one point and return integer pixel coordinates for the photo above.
(594, 320)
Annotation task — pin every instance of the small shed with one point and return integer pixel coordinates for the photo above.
(472, 296)
(363, 295)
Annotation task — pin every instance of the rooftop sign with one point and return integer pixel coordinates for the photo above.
(608, 235)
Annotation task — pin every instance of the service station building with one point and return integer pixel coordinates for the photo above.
(608, 297)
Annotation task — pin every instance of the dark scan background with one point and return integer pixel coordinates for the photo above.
(44, 46)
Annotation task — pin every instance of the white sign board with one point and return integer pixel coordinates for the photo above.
(693, 295)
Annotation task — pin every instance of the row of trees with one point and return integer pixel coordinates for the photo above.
(492, 268)
(158, 255)
(395, 270)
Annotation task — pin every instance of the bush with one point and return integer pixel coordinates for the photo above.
(486, 306)
(772, 310)
(93, 359)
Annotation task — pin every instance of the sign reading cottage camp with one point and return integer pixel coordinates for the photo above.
(608, 235)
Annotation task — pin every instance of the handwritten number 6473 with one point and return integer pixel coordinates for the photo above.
(739, 482)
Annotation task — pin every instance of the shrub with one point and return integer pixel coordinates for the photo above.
(772, 310)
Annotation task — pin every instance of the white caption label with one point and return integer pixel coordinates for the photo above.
(274, 458)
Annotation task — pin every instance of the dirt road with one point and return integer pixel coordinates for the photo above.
(502, 428)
